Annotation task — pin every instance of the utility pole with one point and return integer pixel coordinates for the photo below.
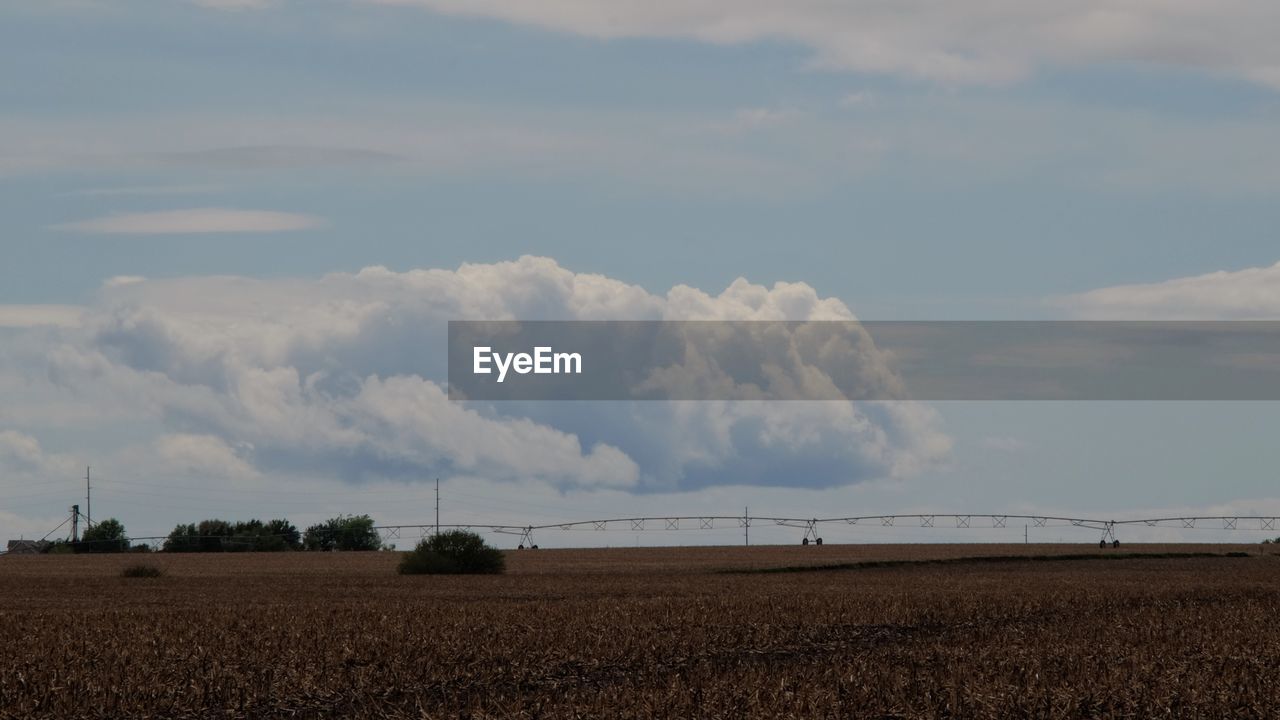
(437, 506)
(88, 502)
(1025, 537)
(746, 527)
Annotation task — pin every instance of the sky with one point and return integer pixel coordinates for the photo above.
(233, 232)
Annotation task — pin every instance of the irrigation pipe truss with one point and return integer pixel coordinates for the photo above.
(812, 525)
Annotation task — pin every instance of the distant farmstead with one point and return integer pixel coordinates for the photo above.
(28, 547)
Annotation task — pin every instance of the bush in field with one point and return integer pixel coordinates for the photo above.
(142, 571)
(345, 532)
(456, 552)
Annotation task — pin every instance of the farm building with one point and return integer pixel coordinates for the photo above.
(28, 547)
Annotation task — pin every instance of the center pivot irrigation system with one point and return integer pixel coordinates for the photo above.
(745, 521)
(811, 526)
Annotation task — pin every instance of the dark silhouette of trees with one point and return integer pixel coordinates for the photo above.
(283, 532)
(107, 536)
(244, 536)
(345, 532)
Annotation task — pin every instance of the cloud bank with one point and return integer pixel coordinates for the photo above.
(988, 42)
(343, 376)
(1249, 294)
(27, 316)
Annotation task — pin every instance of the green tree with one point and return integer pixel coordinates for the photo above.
(257, 536)
(182, 538)
(242, 536)
(205, 536)
(107, 536)
(211, 535)
(286, 532)
(246, 535)
(345, 532)
(456, 552)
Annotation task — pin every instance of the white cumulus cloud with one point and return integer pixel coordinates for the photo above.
(343, 376)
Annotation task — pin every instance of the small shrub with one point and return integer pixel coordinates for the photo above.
(457, 552)
(142, 571)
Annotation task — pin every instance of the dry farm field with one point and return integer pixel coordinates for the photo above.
(911, 631)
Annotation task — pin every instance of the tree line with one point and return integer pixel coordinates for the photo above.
(344, 532)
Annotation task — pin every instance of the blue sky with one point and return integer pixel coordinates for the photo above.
(909, 163)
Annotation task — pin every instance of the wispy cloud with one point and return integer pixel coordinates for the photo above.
(146, 190)
(861, 98)
(758, 118)
(27, 316)
(277, 156)
(233, 4)
(982, 42)
(122, 280)
(1248, 294)
(757, 150)
(193, 221)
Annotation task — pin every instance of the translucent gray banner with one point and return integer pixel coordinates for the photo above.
(845, 360)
